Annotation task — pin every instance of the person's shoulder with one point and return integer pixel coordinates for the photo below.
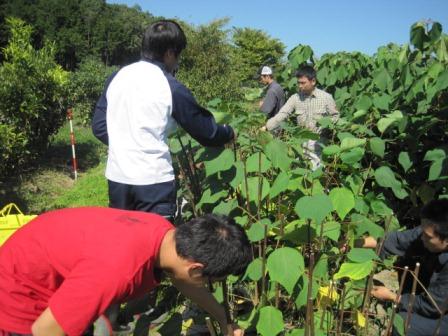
(322, 93)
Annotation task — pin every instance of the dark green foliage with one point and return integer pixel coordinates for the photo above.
(32, 87)
(85, 87)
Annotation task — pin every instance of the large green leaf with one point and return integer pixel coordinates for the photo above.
(239, 174)
(301, 299)
(435, 170)
(382, 102)
(377, 146)
(353, 156)
(349, 143)
(256, 163)
(405, 161)
(364, 225)
(285, 265)
(254, 270)
(418, 35)
(314, 207)
(390, 119)
(277, 153)
(382, 79)
(257, 230)
(385, 177)
(223, 162)
(435, 155)
(354, 271)
(343, 201)
(253, 184)
(208, 198)
(270, 321)
(360, 255)
(280, 184)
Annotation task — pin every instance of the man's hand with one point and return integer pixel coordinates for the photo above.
(234, 330)
(383, 293)
(260, 103)
(369, 242)
(263, 129)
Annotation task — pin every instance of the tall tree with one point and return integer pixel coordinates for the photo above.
(253, 48)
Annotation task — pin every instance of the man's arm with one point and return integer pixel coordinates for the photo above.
(46, 325)
(284, 113)
(207, 301)
(99, 123)
(196, 120)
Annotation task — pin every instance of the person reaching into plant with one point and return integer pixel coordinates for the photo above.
(428, 245)
(140, 105)
(63, 269)
(275, 96)
(310, 104)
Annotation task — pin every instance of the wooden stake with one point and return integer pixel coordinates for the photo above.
(412, 298)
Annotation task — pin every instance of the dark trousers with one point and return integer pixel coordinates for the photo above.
(159, 198)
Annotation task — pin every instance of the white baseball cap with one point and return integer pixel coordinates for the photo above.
(266, 70)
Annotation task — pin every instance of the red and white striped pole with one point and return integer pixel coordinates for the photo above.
(72, 142)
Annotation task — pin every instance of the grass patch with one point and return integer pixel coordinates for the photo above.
(48, 183)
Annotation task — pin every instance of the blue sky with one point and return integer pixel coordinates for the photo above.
(325, 25)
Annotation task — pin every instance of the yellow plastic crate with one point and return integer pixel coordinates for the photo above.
(11, 219)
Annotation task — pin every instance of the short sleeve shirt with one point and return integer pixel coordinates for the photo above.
(77, 262)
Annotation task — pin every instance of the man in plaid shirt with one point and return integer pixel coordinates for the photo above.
(309, 105)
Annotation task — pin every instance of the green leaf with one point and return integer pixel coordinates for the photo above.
(226, 207)
(277, 153)
(280, 184)
(301, 299)
(354, 271)
(442, 81)
(405, 161)
(314, 207)
(239, 174)
(382, 80)
(364, 225)
(435, 170)
(253, 184)
(343, 201)
(253, 163)
(332, 230)
(364, 103)
(285, 265)
(382, 102)
(353, 156)
(254, 270)
(349, 143)
(208, 198)
(390, 119)
(418, 35)
(377, 146)
(435, 32)
(223, 162)
(360, 255)
(385, 177)
(435, 155)
(331, 150)
(270, 322)
(257, 230)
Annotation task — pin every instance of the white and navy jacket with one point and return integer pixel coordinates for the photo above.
(140, 105)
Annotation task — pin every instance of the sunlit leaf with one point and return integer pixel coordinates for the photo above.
(285, 265)
(314, 207)
(270, 321)
(343, 201)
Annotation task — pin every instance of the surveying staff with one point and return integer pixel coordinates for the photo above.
(62, 270)
(275, 96)
(140, 105)
(310, 104)
(428, 245)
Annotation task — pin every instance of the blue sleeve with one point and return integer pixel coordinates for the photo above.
(396, 243)
(99, 122)
(196, 120)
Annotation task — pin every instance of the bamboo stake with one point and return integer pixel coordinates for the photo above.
(341, 312)
(412, 298)
(400, 289)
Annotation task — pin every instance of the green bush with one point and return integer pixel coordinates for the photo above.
(31, 106)
(85, 87)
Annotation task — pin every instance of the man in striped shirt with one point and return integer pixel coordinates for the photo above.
(309, 104)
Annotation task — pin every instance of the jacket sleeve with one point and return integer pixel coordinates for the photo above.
(284, 113)
(196, 120)
(438, 289)
(99, 122)
(397, 242)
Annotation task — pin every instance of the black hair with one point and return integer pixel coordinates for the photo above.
(436, 213)
(160, 37)
(215, 241)
(306, 71)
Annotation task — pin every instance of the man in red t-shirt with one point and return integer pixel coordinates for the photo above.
(62, 270)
